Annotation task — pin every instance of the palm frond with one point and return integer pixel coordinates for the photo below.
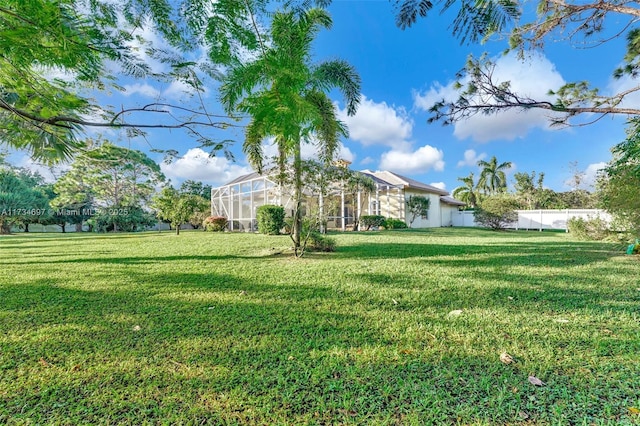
(252, 146)
(343, 76)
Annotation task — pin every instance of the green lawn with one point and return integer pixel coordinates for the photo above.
(210, 328)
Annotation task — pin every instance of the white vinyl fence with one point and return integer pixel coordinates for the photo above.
(537, 219)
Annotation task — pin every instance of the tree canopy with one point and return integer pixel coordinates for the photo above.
(55, 54)
(578, 24)
(492, 176)
(284, 94)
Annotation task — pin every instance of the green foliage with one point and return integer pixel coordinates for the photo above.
(270, 219)
(215, 223)
(372, 221)
(176, 207)
(391, 223)
(110, 176)
(496, 212)
(196, 188)
(122, 218)
(493, 179)
(592, 229)
(93, 43)
(467, 192)
(320, 243)
(20, 200)
(418, 206)
(285, 96)
(618, 186)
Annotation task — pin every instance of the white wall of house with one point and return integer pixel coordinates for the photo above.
(447, 214)
(433, 219)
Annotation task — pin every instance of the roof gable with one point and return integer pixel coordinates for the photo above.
(397, 179)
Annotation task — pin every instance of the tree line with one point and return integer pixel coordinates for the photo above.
(616, 189)
(107, 188)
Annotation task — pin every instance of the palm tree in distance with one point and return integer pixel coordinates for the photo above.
(284, 95)
(467, 192)
(492, 176)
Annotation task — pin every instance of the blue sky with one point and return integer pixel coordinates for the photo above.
(403, 73)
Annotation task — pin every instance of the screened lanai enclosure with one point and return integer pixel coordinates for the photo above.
(339, 207)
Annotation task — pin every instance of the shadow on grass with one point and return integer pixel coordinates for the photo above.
(528, 254)
(204, 353)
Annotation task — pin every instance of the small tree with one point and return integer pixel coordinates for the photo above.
(270, 219)
(496, 212)
(175, 207)
(418, 207)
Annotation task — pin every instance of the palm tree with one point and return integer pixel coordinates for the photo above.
(285, 97)
(492, 177)
(467, 192)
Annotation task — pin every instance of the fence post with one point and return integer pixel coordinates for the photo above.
(540, 220)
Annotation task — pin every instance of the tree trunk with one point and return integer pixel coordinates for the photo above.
(178, 230)
(297, 201)
(26, 227)
(63, 226)
(5, 228)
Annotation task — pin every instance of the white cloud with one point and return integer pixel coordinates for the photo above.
(377, 123)
(50, 174)
(533, 78)
(591, 174)
(178, 90)
(439, 185)
(420, 160)
(308, 151)
(196, 164)
(367, 160)
(141, 89)
(471, 158)
(619, 85)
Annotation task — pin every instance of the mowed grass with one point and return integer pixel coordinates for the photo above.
(209, 328)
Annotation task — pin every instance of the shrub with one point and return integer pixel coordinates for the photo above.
(270, 219)
(496, 212)
(319, 242)
(371, 221)
(391, 223)
(215, 223)
(589, 229)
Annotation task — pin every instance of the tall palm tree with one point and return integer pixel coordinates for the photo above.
(492, 177)
(467, 192)
(284, 95)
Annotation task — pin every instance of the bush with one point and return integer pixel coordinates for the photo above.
(319, 242)
(496, 212)
(391, 223)
(371, 221)
(270, 219)
(589, 229)
(215, 223)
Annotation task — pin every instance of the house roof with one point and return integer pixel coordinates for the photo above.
(382, 178)
(396, 179)
(450, 200)
(244, 178)
(377, 179)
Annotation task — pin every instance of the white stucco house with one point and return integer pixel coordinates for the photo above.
(238, 200)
